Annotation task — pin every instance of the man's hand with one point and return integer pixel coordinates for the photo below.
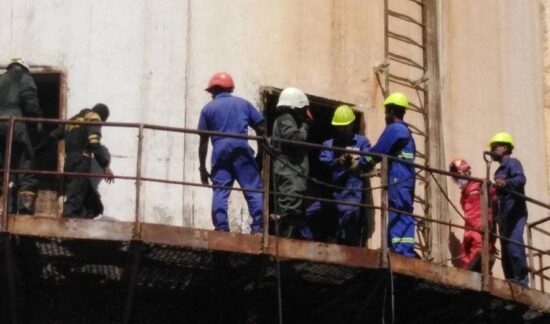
(500, 183)
(204, 175)
(344, 159)
(354, 167)
(109, 178)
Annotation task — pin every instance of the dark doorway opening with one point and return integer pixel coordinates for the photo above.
(50, 86)
(324, 226)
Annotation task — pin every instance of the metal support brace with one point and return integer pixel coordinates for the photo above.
(6, 241)
(137, 221)
(485, 267)
(6, 179)
(130, 276)
(384, 213)
(266, 169)
(531, 260)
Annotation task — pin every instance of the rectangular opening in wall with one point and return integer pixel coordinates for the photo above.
(49, 85)
(322, 110)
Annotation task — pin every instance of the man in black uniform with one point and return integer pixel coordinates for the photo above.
(82, 145)
(19, 97)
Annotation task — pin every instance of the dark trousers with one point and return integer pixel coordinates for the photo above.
(81, 199)
(22, 158)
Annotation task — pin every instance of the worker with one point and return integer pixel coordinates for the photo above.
(512, 208)
(19, 97)
(82, 146)
(470, 200)
(397, 141)
(232, 158)
(291, 164)
(346, 170)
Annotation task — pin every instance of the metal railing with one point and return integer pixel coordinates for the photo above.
(384, 207)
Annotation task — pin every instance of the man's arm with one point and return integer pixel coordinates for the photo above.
(203, 151)
(259, 128)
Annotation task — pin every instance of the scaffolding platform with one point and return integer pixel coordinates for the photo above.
(84, 271)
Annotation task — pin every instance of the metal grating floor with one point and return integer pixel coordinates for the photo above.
(87, 281)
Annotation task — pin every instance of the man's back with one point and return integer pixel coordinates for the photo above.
(228, 114)
(18, 94)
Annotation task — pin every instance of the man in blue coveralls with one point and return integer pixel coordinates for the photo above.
(396, 140)
(232, 158)
(346, 169)
(512, 209)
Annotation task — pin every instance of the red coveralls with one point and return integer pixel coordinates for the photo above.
(473, 241)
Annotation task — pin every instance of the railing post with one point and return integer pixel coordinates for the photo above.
(384, 212)
(6, 180)
(485, 267)
(266, 175)
(531, 260)
(541, 274)
(137, 221)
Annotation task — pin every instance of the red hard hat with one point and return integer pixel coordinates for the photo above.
(222, 80)
(459, 165)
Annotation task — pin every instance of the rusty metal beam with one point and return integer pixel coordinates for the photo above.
(288, 249)
(130, 276)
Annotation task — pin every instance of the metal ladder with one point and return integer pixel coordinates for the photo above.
(404, 70)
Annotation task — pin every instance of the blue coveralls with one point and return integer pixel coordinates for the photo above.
(349, 218)
(396, 140)
(511, 218)
(233, 158)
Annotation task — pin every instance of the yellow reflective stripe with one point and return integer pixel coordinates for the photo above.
(406, 155)
(369, 159)
(396, 240)
(93, 136)
(93, 141)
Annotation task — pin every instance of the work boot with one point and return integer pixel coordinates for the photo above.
(26, 202)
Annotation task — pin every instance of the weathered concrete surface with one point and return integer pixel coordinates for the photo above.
(492, 81)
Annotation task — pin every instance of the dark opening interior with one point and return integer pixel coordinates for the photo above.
(49, 86)
(322, 110)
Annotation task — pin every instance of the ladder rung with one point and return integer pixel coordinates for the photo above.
(404, 39)
(404, 60)
(404, 17)
(404, 82)
(416, 129)
(418, 2)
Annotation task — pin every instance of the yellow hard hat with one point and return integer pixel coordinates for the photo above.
(502, 137)
(398, 99)
(343, 116)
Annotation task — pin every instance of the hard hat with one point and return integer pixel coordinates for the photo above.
(293, 98)
(343, 116)
(398, 99)
(502, 137)
(222, 80)
(19, 61)
(459, 165)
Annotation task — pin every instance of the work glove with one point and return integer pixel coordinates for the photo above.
(204, 175)
(355, 167)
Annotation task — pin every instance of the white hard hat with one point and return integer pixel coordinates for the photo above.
(293, 98)
(19, 61)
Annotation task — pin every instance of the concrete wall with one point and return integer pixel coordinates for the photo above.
(492, 80)
(150, 61)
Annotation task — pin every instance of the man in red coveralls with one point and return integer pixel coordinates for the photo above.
(470, 200)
